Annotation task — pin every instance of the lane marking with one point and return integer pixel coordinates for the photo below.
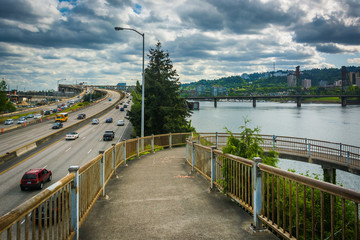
(68, 149)
(32, 155)
(89, 151)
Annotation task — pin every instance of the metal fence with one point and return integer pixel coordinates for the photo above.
(342, 154)
(58, 211)
(295, 206)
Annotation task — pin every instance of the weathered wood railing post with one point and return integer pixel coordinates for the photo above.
(75, 217)
(256, 181)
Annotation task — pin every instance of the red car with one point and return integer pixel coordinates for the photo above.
(35, 178)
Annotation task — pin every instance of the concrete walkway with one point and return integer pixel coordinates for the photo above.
(156, 197)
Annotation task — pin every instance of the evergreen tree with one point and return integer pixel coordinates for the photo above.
(165, 111)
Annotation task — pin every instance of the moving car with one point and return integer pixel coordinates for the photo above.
(37, 116)
(72, 135)
(117, 107)
(108, 135)
(9, 121)
(81, 116)
(57, 125)
(35, 178)
(120, 123)
(109, 120)
(22, 120)
(95, 121)
(30, 116)
(121, 109)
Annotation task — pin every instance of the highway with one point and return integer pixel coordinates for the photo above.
(61, 154)
(12, 140)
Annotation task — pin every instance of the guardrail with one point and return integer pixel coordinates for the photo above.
(344, 155)
(59, 210)
(295, 206)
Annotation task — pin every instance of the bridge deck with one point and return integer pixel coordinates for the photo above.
(156, 197)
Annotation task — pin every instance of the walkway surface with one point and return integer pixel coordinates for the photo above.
(157, 197)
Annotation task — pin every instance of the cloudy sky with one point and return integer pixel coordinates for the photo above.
(43, 41)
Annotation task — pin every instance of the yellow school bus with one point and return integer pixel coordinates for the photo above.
(61, 117)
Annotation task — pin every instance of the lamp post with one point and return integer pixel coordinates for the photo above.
(143, 77)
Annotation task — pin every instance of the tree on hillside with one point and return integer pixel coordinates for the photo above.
(165, 111)
(5, 104)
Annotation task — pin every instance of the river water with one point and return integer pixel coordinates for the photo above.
(328, 122)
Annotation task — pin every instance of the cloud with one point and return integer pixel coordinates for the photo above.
(45, 40)
(354, 61)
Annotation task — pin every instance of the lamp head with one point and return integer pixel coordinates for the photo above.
(118, 28)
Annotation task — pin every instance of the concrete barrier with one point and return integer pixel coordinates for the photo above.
(25, 149)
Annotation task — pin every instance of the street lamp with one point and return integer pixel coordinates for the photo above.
(143, 77)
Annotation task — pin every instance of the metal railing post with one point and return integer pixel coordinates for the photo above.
(152, 143)
(75, 201)
(274, 141)
(199, 139)
(348, 157)
(137, 146)
(114, 157)
(306, 144)
(217, 139)
(193, 155)
(256, 181)
(213, 170)
(170, 141)
(309, 150)
(125, 151)
(186, 148)
(102, 172)
(340, 150)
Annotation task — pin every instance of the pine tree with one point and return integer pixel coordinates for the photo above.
(165, 111)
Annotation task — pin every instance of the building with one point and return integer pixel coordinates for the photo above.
(200, 90)
(291, 81)
(306, 83)
(214, 91)
(358, 81)
(338, 83)
(352, 77)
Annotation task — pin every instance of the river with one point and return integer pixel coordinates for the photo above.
(328, 122)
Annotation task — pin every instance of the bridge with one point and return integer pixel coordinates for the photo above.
(298, 98)
(279, 200)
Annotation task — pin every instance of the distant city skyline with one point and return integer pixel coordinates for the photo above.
(44, 42)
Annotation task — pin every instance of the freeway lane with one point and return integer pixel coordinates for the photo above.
(10, 141)
(58, 157)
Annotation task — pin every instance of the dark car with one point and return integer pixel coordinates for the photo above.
(35, 178)
(117, 107)
(57, 125)
(81, 116)
(109, 120)
(108, 135)
(121, 109)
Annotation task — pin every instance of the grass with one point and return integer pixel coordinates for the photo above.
(322, 100)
